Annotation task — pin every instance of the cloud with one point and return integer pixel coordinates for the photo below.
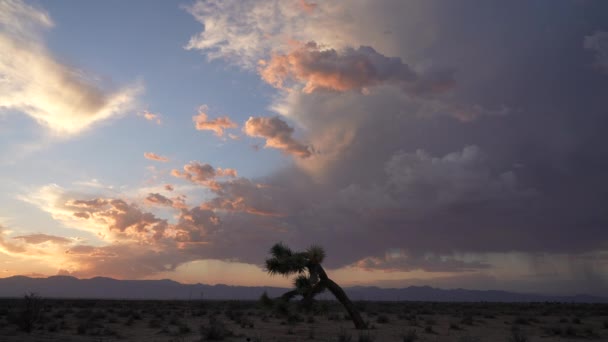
(244, 32)
(155, 157)
(7, 246)
(217, 125)
(308, 7)
(106, 217)
(399, 261)
(349, 69)
(42, 238)
(456, 177)
(158, 199)
(277, 134)
(178, 202)
(598, 42)
(62, 98)
(203, 174)
(169, 187)
(151, 116)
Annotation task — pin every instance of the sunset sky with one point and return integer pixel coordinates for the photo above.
(421, 142)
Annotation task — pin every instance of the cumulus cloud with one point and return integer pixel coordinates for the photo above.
(245, 32)
(349, 69)
(598, 42)
(203, 174)
(62, 98)
(278, 135)
(155, 157)
(178, 202)
(217, 125)
(106, 217)
(158, 199)
(456, 177)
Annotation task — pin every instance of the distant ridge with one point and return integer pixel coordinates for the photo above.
(108, 288)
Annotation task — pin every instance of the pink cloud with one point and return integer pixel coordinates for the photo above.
(277, 134)
(36, 239)
(308, 7)
(203, 174)
(155, 157)
(217, 125)
(151, 116)
(347, 69)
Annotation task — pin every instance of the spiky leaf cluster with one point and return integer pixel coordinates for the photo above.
(285, 262)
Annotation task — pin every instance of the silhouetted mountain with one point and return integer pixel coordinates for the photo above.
(108, 288)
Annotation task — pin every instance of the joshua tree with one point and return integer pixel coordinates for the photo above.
(311, 279)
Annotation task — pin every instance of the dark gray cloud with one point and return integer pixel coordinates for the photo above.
(521, 170)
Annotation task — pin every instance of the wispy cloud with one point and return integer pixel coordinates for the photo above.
(155, 157)
(59, 97)
(151, 116)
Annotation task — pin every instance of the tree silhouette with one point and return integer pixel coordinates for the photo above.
(311, 280)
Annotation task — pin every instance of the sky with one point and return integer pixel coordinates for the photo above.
(457, 144)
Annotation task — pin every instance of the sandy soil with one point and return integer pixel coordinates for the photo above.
(88, 320)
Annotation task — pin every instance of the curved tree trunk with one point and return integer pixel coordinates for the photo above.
(341, 296)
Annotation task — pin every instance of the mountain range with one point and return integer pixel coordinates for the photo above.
(108, 288)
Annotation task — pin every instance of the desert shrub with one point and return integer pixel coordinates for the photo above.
(429, 330)
(467, 320)
(184, 328)
(469, 338)
(311, 333)
(265, 301)
(344, 336)
(570, 331)
(410, 336)
(333, 317)
(154, 324)
(517, 335)
(215, 331)
(454, 326)
(281, 308)
(366, 337)
(53, 327)
(576, 320)
(590, 332)
(382, 319)
(294, 319)
(31, 312)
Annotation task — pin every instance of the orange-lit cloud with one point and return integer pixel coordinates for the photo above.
(203, 174)
(349, 69)
(308, 7)
(217, 125)
(155, 157)
(151, 116)
(178, 202)
(277, 134)
(42, 238)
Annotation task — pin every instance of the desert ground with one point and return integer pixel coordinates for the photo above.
(116, 320)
